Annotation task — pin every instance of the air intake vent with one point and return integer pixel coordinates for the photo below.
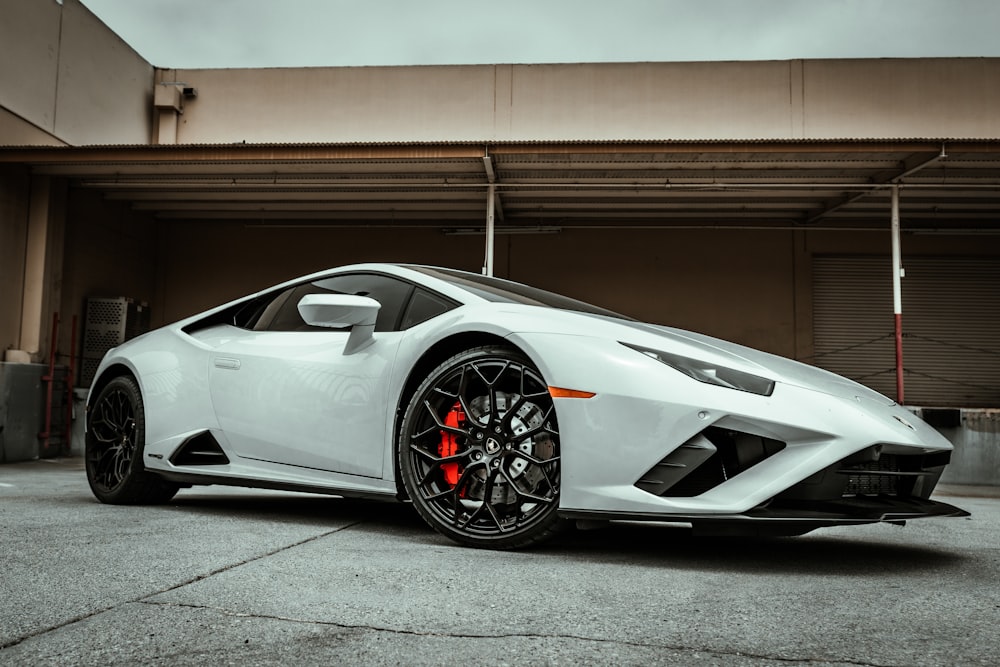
(871, 473)
(705, 461)
(890, 474)
(200, 450)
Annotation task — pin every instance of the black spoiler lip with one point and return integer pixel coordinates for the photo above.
(842, 512)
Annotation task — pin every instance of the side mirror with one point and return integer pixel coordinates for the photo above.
(337, 311)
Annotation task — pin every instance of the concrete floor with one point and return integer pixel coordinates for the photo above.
(231, 576)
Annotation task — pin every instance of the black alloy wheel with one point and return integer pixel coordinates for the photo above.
(116, 426)
(479, 450)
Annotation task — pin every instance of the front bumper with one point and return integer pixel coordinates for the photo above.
(655, 445)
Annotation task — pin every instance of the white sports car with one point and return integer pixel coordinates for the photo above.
(503, 412)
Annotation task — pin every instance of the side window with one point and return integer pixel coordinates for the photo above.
(423, 306)
(282, 314)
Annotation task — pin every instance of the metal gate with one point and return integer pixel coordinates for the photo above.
(951, 326)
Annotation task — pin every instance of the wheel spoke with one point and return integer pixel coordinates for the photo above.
(524, 494)
(472, 516)
(438, 459)
(508, 417)
(544, 427)
(537, 461)
(496, 519)
(439, 495)
(441, 425)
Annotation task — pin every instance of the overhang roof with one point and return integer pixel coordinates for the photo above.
(947, 185)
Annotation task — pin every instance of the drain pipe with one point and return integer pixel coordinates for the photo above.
(897, 301)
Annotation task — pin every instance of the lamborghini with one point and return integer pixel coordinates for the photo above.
(502, 412)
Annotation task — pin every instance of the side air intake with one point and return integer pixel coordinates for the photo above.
(705, 461)
(200, 450)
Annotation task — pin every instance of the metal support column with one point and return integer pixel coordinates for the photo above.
(897, 301)
(490, 209)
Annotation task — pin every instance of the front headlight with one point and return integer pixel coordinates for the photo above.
(709, 373)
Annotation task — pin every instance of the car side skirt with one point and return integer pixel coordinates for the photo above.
(192, 479)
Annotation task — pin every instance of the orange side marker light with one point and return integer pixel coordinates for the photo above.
(559, 392)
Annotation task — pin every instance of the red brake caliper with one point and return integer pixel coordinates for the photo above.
(449, 444)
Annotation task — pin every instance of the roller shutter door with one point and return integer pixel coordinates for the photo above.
(951, 326)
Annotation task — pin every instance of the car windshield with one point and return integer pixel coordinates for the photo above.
(506, 291)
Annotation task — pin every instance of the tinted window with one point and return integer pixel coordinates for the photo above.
(506, 291)
(390, 292)
(423, 306)
(282, 314)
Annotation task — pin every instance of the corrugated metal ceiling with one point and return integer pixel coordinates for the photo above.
(946, 184)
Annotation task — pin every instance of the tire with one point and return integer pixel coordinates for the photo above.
(116, 430)
(483, 477)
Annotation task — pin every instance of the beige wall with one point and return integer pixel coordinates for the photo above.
(68, 75)
(29, 60)
(15, 131)
(955, 98)
(879, 99)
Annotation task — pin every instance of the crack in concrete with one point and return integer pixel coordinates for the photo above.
(525, 635)
(200, 577)
(232, 566)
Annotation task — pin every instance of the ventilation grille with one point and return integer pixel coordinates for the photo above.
(108, 323)
(868, 479)
(200, 450)
(871, 473)
(705, 461)
(891, 474)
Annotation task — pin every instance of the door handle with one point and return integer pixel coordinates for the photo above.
(227, 362)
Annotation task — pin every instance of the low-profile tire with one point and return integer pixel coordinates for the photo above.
(479, 450)
(116, 430)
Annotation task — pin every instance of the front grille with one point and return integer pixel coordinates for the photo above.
(872, 473)
(864, 479)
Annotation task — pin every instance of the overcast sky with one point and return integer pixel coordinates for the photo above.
(301, 33)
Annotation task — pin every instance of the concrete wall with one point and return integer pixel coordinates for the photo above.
(70, 77)
(822, 99)
(976, 459)
(15, 131)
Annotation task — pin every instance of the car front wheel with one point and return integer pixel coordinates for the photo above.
(479, 450)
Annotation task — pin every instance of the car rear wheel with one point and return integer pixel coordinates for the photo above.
(116, 427)
(479, 450)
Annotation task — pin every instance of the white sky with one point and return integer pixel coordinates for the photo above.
(303, 33)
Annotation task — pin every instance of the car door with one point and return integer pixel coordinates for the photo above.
(285, 392)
